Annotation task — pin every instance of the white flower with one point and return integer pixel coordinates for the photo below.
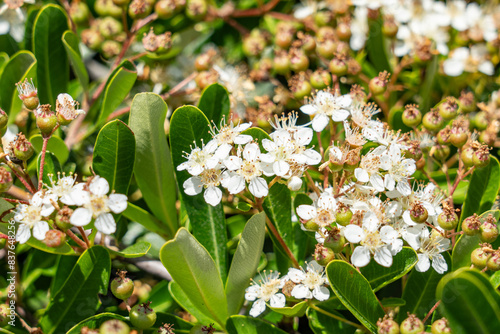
(97, 205)
(310, 283)
(468, 60)
(63, 188)
(199, 159)
(246, 170)
(322, 212)
(369, 169)
(280, 152)
(228, 135)
(267, 290)
(209, 179)
(30, 217)
(16, 6)
(382, 244)
(398, 170)
(66, 107)
(359, 28)
(429, 247)
(325, 106)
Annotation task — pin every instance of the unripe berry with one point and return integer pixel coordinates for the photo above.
(323, 18)
(110, 49)
(254, 44)
(285, 32)
(481, 120)
(338, 66)
(343, 216)
(320, 79)
(139, 9)
(28, 94)
(204, 61)
(142, 316)
(5, 179)
(467, 156)
(471, 225)
(432, 121)
(387, 326)
(326, 48)
(4, 118)
(122, 287)
(23, 150)
(311, 225)
(344, 31)
(110, 27)
(323, 255)
(298, 60)
(79, 12)
(196, 10)
(443, 136)
(479, 258)
(335, 240)
(466, 102)
(493, 263)
(4, 313)
(165, 9)
(412, 325)
(92, 38)
(121, 3)
(442, 152)
(390, 28)
(412, 116)
(481, 157)
(489, 231)
(3, 242)
(448, 219)
(46, 120)
(378, 85)
(308, 42)
(281, 63)
(449, 108)
(418, 213)
(63, 218)
(302, 89)
(114, 326)
(440, 326)
(458, 139)
(54, 238)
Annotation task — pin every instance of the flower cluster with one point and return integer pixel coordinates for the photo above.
(69, 203)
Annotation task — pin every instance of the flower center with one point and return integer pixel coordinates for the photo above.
(32, 215)
(14, 4)
(268, 289)
(98, 205)
(225, 136)
(312, 280)
(372, 240)
(325, 218)
(211, 177)
(249, 170)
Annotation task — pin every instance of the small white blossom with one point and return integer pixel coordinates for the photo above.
(208, 179)
(429, 247)
(310, 283)
(267, 290)
(325, 106)
(30, 216)
(322, 212)
(227, 136)
(200, 159)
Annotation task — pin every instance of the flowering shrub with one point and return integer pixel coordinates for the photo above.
(178, 166)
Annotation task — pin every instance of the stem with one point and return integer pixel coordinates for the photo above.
(256, 11)
(42, 162)
(22, 179)
(431, 311)
(17, 201)
(82, 232)
(331, 315)
(313, 185)
(76, 239)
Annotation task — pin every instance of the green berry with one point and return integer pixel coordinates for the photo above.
(412, 325)
(54, 238)
(338, 67)
(411, 116)
(448, 219)
(142, 316)
(5, 179)
(442, 152)
(387, 326)
(3, 243)
(311, 225)
(479, 258)
(418, 213)
(165, 9)
(481, 120)
(298, 61)
(122, 287)
(4, 315)
(481, 158)
(471, 225)
(448, 109)
(493, 263)
(432, 121)
(343, 216)
(335, 240)
(114, 326)
(323, 255)
(467, 156)
(488, 232)
(440, 326)
(196, 10)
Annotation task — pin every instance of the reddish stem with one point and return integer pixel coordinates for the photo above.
(42, 162)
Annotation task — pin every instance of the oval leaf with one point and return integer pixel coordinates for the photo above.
(214, 102)
(196, 273)
(114, 155)
(141, 216)
(71, 42)
(138, 249)
(183, 300)
(96, 321)
(321, 323)
(239, 324)
(51, 166)
(55, 145)
(297, 310)
(354, 291)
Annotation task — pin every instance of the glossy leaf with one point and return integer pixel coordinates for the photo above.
(138, 249)
(55, 145)
(483, 190)
(196, 273)
(51, 166)
(153, 167)
(20, 66)
(426, 89)
(379, 276)
(245, 261)
(297, 310)
(114, 155)
(78, 299)
(179, 325)
(64, 249)
(96, 321)
(321, 323)
(257, 134)
(469, 302)
(63, 268)
(48, 48)
(240, 324)
(119, 84)
(355, 292)
(420, 292)
(143, 217)
(183, 300)
(376, 46)
(189, 125)
(214, 103)
(70, 42)
(466, 244)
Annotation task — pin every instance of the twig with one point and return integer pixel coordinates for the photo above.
(431, 311)
(82, 232)
(18, 193)
(76, 239)
(42, 162)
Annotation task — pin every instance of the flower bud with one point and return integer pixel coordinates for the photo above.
(493, 263)
(488, 230)
(142, 316)
(334, 240)
(323, 255)
(28, 94)
(449, 108)
(165, 9)
(22, 148)
(4, 119)
(433, 121)
(5, 179)
(479, 257)
(54, 238)
(412, 325)
(470, 225)
(114, 326)
(63, 218)
(294, 183)
(378, 85)
(46, 120)
(440, 326)
(412, 116)
(343, 215)
(387, 326)
(122, 287)
(196, 10)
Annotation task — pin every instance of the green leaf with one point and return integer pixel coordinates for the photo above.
(321, 323)
(379, 276)
(426, 89)
(55, 145)
(70, 42)
(393, 302)
(153, 167)
(64, 249)
(53, 67)
(245, 261)
(495, 279)
(257, 134)
(138, 249)
(355, 292)
(96, 321)
(469, 302)
(8, 44)
(243, 206)
(4, 59)
(179, 325)
(22, 65)
(192, 268)
(117, 87)
(150, 222)
(114, 155)
(189, 125)
(214, 102)
(420, 292)
(63, 268)
(483, 190)
(183, 300)
(297, 310)
(376, 46)
(51, 166)
(466, 244)
(240, 324)
(78, 298)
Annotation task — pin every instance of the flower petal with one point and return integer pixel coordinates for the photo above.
(306, 212)
(99, 186)
(40, 229)
(23, 233)
(81, 217)
(321, 293)
(117, 203)
(258, 187)
(257, 308)
(277, 300)
(360, 257)
(301, 292)
(383, 256)
(423, 263)
(105, 223)
(213, 195)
